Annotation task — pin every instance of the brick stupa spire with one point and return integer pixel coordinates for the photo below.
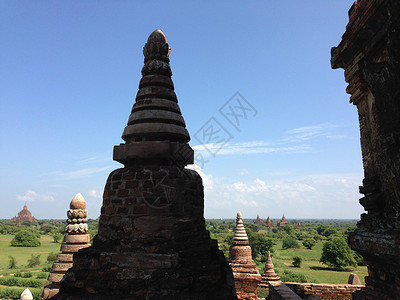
(258, 220)
(282, 222)
(268, 223)
(76, 238)
(269, 274)
(152, 242)
(244, 269)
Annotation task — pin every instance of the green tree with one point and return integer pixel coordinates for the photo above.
(12, 262)
(34, 260)
(260, 244)
(288, 228)
(329, 231)
(57, 237)
(321, 228)
(289, 243)
(337, 254)
(297, 261)
(26, 238)
(309, 243)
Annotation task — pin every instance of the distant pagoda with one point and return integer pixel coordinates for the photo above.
(282, 222)
(258, 220)
(24, 215)
(268, 223)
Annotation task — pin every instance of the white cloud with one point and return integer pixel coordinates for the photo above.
(95, 194)
(252, 147)
(311, 196)
(305, 133)
(30, 196)
(293, 141)
(244, 172)
(78, 174)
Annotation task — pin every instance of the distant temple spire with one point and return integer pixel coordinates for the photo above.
(24, 215)
(268, 223)
(258, 220)
(283, 221)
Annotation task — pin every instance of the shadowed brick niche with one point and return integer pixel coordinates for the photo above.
(370, 55)
(152, 242)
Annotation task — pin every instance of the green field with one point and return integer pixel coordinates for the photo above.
(311, 268)
(22, 254)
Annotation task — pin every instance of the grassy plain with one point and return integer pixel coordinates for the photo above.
(22, 254)
(311, 268)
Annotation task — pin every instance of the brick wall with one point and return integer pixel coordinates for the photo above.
(325, 291)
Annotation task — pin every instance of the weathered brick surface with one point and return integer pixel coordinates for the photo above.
(325, 291)
(160, 252)
(280, 291)
(370, 55)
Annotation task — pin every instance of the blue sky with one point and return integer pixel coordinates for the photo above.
(70, 73)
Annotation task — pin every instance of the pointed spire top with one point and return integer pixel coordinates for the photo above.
(157, 48)
(240, 231)
(25, 206)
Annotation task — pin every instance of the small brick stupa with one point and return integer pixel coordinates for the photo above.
(152, 242)
(24, 215)
(269, 274)
(258, 220)
(282, 222)
(244, 268)
(268, 223)
(76, 238)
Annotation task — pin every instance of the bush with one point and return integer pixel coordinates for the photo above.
(289, 242)
(15, 293)
(309, 243)
(26, 238)
(337, 254)
(24, 282)
(34, 260)
(12, 262)
(46, 269)
(51, 258)
(297, 261)
(41, 275)
(289, 276)
(26, 275)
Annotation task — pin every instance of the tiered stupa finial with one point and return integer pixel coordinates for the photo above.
(269, 274)
(240, 231)
(76, 238)
(244, 269)
(156, 130)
